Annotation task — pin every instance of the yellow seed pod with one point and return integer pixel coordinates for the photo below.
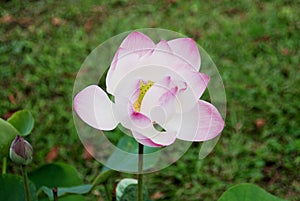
(144, 87)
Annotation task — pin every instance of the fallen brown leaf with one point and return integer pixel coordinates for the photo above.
(157, 195)
(285, 51)
(7, 19)
(56, 21)
(52, 155)
(12, 99)
(8, 114)
(25, 22)
(88, 25)
(259, 123)
(262, 39)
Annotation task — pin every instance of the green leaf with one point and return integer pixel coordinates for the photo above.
(55, 175)
(130, 145)
(72, 198)
(12, 188)
(67, 198)
(247, 192)
(23, 121)
(7, 135)
(82, 189)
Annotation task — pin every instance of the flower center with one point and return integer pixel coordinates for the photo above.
(144, 87)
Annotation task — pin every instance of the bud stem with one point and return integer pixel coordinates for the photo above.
(4, 165)
(25, 179)
(54, 191)
(140, 172)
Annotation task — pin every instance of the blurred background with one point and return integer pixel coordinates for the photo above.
(254, 44)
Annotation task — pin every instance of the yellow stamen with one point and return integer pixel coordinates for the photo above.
(143, 89)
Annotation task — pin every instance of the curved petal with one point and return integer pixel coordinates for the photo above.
(162, 46)
(164, 138)
(129, 84)
(160, 101)
(197, 82)
(161, 55)
(145, 141)
(141, 124)
(202, 123)
(210, 123)
(128, 117)
(188, 50)
(138, 43)
(93, 106)
(191, 85)
(119, 69)
(161, 139)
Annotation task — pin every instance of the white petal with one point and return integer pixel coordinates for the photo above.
(119, 69)
(144, 140)
(94, 107)
(159, 103)
(137, 42)
(187, 49)
(141, 124)
(202, 123)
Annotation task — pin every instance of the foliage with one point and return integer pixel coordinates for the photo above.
(12, 188)
(7, 134)
(247, 192)
(23, 121)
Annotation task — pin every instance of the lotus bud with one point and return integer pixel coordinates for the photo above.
(20, 151)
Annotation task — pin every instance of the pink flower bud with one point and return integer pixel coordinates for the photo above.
(20, 151)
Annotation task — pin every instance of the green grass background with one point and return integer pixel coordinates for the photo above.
(255, 45)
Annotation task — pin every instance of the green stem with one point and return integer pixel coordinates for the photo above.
(54, 191)
(25, 179)
(108, 191)
(140, 172)
(102, 177)
(4, 165)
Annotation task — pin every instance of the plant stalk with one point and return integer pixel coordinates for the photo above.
(4, 165)
(140, 172)
(54, 191)
(25, 180)
(102, 177)
(108, 191)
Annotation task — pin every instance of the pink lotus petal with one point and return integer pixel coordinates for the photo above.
(202, 123)
(159, 102)
(162, 47)
(138, 43)
(140, 120)
(161, 55)
(93, 106)
(144, 140)
(164, 138)
(140, 123)
(211, 122)
(122, 67)
(160, 139)
(115, 59)
(129, 118)
(197, 83)
(186, 48)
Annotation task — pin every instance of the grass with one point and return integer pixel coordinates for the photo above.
(255, 45)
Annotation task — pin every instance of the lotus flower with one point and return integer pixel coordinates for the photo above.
(156, 90)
